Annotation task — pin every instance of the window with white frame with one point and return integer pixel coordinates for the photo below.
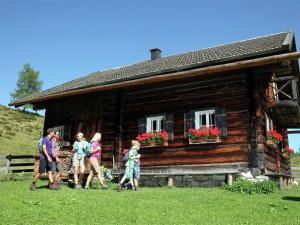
(154, 123)
(205, 118)
(269, 123)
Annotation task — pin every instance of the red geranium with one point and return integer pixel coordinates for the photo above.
(288, 150)
(203, 132)
(157, 137)
(275, 136)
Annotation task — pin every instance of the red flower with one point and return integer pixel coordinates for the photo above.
(288, 150)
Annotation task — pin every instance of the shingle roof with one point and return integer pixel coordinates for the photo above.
(256, 47)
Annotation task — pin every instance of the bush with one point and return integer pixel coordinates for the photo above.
(249, 187)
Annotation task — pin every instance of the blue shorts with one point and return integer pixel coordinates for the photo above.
(136, 171)
(46, 166)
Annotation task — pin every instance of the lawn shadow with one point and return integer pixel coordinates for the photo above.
(291, 198)
(42, 187)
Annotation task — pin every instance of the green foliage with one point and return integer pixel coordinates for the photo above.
(249, 187)
(28, 83)
(184, 206)
(15, 177)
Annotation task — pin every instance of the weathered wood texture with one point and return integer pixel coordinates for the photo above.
(101, 112)
(115, 114)
(272, 159)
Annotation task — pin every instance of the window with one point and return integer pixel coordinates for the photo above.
(268, 123)
(275, 92)
(205, 118)
(60, 130)
(154, 123)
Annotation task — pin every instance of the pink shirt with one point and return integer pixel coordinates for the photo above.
(95, 145)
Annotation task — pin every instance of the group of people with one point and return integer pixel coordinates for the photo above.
(48, 151)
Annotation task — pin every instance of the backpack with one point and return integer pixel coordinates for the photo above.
(40, 145)
(125, 155)
(87, 150)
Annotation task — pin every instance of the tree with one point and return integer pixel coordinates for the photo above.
(28, 83)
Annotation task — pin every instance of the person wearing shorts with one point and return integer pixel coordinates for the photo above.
(79, 148)
(94, 162)
(47, 160)
(129, 170)
(55, 152)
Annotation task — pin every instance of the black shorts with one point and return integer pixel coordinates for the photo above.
(46, 166)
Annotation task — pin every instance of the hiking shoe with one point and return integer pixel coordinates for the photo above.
(87, 188)
(32, 187)
(104, 187)
(53, 187)
(135, 188)
(119, 187)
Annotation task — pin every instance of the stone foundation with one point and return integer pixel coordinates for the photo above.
(183, 180)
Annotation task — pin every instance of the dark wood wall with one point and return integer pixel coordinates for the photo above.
(115, 114)
(272, 159)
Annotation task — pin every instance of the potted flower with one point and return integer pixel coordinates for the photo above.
(274, 138)
(152, 139)
(287, 151)
(204, 135)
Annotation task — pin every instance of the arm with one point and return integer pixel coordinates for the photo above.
(74, 147)
(95, 149)
(46, 153)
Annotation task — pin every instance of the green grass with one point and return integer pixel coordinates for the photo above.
(295, 160)
(147, 206)
(19, 131)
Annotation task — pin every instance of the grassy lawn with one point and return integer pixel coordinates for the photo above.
(147, 206)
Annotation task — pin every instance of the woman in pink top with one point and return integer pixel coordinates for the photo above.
(94, 162)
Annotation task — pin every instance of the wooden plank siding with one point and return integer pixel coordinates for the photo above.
(101, 112)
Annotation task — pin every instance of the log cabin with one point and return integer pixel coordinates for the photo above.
(245, 88)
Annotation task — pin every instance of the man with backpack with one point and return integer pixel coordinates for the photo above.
(46, 161)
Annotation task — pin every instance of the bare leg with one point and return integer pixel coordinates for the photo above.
(88, 181)
(50, 174)
(57, 176)
(81, 173)
(36, 177)
(136, 182)
(100, 178)
(123, 179)
(76, 174)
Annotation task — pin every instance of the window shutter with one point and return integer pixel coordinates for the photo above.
(168, 125)
(189, 121)
(141, 125)
(221, 121)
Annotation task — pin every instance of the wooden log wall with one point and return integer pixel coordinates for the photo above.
(272, 160)
(100, 112)
(227, 91)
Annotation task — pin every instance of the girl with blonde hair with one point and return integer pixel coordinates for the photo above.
(94, 161)
(80, 147)
(130, 165)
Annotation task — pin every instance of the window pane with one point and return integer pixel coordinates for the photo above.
(154, 125)
(213, 119)
(203, 120)
(161, 125)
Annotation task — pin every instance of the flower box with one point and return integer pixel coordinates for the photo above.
(272, 144)
(153, 139)
(287, 151)
(154, 144)
(204, 135)
(204, 140)
(285, 155)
